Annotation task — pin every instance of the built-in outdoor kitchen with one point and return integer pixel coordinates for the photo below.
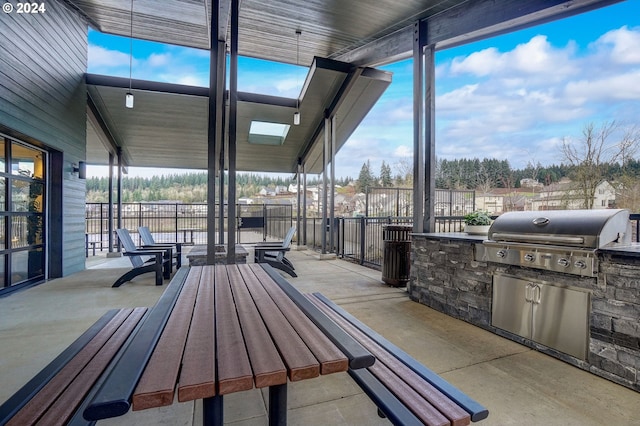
(566, 283)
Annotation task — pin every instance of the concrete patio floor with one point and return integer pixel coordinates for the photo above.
(519, 386)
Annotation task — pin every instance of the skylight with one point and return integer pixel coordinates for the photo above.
(264, 133)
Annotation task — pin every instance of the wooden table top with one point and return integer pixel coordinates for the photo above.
(233, 329)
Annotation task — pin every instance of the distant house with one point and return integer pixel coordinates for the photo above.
(565, 195)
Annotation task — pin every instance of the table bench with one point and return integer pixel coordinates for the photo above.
(404, 391)
(61, 392)
(57, 393)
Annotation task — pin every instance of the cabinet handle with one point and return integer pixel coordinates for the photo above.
(528, 293)
(536, 294)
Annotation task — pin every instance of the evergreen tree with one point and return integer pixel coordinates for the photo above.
(385, 175)
(365, 179)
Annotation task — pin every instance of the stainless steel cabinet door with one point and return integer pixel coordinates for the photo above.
(561, 319)
(511, 311)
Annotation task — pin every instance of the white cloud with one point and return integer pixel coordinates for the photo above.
(614, 87)
(622, 45)
(100, 57)
(527, 59)
(159, 59)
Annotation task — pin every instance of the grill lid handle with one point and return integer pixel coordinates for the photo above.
(533, 238)
(541, 221)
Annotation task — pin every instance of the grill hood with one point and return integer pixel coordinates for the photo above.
(576, 228)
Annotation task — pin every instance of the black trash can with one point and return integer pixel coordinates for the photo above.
(396, 262)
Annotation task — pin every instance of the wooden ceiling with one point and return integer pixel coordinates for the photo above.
(362, 33)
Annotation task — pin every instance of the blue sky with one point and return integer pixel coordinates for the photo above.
(511, 97)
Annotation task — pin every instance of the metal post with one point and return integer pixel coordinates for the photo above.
(233, 118)
(110, 208)
(325, 159)
(215, 133)
(119, 191)
(429, 138)
(213, 410)
(332, 186)
(278, 405)
(299, 198)
(419, 41)
(363, 231)
(304, 209)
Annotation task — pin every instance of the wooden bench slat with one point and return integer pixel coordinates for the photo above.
(476, 410)
(455, 414)
(234, 369)
(25, 393)
(266, 363)
(358, 356)
(331, 359)
(300, 362)
(393, 409)
(36, 407)
(409, 397)
(112, 397)
(157, 384)
(64, 407)
(198, 374)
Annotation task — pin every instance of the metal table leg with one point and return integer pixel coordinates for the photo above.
(278, 405)
(212, 411)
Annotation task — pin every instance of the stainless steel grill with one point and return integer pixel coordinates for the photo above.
(558, 240)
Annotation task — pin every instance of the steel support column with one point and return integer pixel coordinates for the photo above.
(110, 227)
(429, 139)
(304, 206)
(332, 200)
(419, 41)
(215, 133)
(325, 160)
(298, 198)
(119, 192)
(233, 118)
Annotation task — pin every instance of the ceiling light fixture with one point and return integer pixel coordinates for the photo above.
(128, 99)
(296, 115)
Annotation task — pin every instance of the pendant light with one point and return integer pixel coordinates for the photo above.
(296, 115)
(128, 99)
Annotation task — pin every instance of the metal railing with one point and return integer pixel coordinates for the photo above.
(183, 222)
(358, 239)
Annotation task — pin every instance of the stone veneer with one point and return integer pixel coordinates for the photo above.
(445, 276)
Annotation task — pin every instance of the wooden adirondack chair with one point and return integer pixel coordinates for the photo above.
(274, 253)
(144, 260)
(148, 242)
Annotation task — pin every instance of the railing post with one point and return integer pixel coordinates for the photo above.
(363, 231)
(341, 237)
(176, 224)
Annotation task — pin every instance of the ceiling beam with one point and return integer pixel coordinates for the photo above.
(468, 22)
(102, 130)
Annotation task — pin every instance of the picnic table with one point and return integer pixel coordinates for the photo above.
(233, 328)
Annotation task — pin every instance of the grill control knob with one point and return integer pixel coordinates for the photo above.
(529, 257)
(501, 253)
(581, 264)
(564, 262)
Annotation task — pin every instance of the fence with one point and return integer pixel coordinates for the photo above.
(356, 238)
(398, 202)
(186, 222)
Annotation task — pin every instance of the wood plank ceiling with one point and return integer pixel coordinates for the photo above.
(359, 32)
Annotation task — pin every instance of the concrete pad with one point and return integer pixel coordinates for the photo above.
(518, 385)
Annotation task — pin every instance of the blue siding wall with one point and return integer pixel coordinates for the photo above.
(43, 59)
